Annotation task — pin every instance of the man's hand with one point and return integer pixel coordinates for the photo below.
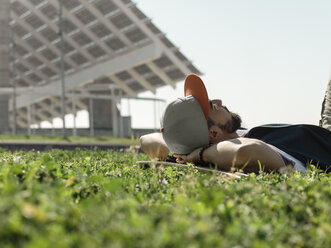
(189, 158)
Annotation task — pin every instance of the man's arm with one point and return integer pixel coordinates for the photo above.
(239, 154)
(154, 146)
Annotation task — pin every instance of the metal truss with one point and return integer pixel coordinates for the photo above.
(109, 42)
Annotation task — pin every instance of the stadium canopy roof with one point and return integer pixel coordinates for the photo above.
(109, 46)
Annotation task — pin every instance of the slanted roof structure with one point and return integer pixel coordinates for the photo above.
(109, 46)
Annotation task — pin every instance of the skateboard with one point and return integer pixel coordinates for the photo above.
(148, 164)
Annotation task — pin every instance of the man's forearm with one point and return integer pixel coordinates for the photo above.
(243, 154)
(154, 146)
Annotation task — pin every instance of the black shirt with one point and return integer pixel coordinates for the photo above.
(308, 143)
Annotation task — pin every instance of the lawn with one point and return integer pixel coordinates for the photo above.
(95, 198)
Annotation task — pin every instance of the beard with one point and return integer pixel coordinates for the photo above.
(228, 127)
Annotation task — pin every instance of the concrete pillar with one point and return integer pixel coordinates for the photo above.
(114, 119)
(53, 108)
(120, 121)
(4, 63)
(104, 119)
(29, 118)
(74, 110)
(91, 116)
(127, 126)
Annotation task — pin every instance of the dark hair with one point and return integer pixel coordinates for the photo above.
(231, 126)
(236, 121)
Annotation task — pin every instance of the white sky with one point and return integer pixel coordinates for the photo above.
(268, 60)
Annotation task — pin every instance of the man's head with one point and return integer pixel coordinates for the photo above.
(194, 121)
(222, 123)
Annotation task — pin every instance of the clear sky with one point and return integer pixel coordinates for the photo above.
(267, 60)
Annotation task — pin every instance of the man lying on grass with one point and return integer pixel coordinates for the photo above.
(196, 129)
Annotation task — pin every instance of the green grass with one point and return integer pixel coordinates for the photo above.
(56, 138)
(99, 199)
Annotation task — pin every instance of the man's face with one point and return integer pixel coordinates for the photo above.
(221, 121)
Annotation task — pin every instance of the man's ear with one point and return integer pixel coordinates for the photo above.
(218, 102)
(214, 133)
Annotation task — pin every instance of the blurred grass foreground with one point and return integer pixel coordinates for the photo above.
(87, 198)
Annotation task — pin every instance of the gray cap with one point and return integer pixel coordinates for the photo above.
(184, 125)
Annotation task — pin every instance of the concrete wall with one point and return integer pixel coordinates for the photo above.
(106, 116)
(4, 62)
(69, 132)
(102, 114)
(126, 123)
(136, 133)
(4, 128)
